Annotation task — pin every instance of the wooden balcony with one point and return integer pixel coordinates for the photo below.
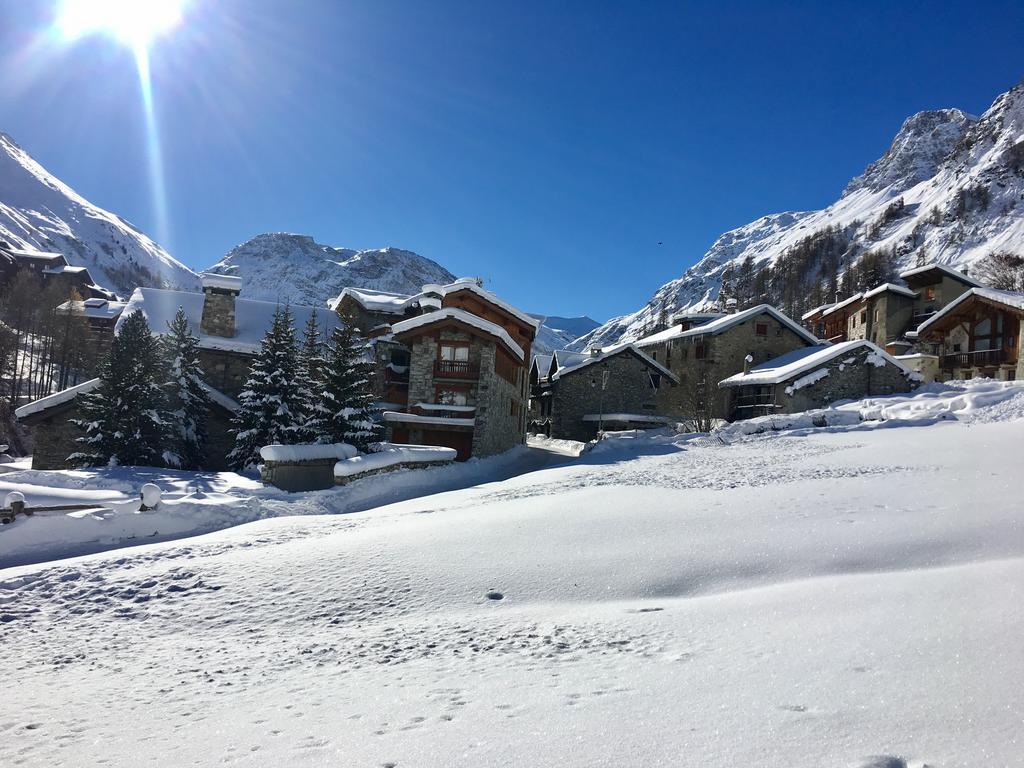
(456, 369)
(981, 358)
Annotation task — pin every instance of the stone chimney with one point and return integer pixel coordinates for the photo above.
(746, 363)
(219, 294)
(595, 351)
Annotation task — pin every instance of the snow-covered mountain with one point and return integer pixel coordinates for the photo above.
(950, 189)
(279, 266)
(39, 211)
(559, 332)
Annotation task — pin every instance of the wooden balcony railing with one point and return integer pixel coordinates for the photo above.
(456, 369)
(977, 359)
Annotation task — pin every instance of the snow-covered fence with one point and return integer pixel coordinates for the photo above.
(307, 467)
(388, 458)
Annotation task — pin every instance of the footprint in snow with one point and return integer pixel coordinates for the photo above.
(495, 596)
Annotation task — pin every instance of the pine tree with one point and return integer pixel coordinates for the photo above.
(125, 418)
(309, 383)
(270, 406)
(347, 393)
(187, 399)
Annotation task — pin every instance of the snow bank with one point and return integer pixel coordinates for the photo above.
(974, 400)
(307, 452)
(390, 455)
(822, 417)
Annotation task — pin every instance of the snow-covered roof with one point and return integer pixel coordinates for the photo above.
(816, 310)
(41, 255)
(1011, 299)
(57, 398)
(791, 364)
(461, 316)
(681, 316)
(216, 396)
(892, 288)
(564, 358)
(542, 363)
(398, 303)
(64, 269)
(728, 321)
(415, 418)
(843, 304)
(612, 352)
(470, 284)
(252, 318)
(941, 268)
(227, 282)
(96, 308)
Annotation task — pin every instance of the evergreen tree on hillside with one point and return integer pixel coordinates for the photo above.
(125, 419)
(309, 383)
(270, 406)
(347, 393)
(187, 399)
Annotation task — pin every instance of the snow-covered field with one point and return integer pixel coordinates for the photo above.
(797, 598)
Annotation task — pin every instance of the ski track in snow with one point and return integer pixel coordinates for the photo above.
(633, 610)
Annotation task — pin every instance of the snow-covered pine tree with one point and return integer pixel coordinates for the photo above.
(187, 400)
(125, 419)
(347, 392)
(271, 406)
(309, 383)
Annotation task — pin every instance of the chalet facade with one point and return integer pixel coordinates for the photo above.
(699, 356)
(452, 365)
(886, 314)
(813, 377)
(978, 334)
(229, 330)
(100, 315)
(52, 268)
(612, 389)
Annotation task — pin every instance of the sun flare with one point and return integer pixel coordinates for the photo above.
(132, 22)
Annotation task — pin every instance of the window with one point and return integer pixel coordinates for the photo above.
(761, 329)
(449, 396)
(876, 315)
(668, 356)
(700, 352)
(863, 316)
(459, 352)
(987, 334)
(929, 293)
(957, 347)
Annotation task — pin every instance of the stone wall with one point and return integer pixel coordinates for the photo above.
(725, 356)
(500, 409)
(218, 312)
(55, 440)
(313, 475)
(226, 371)
(579, 393)
(850, 377)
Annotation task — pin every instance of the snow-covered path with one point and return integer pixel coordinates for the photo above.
(783, 601)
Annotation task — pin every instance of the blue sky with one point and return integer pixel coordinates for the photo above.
(546, 146)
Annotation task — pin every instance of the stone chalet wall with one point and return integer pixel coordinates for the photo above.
(55, 440)
(845, 381)
(500, 408)
(226, 371)
(725, 357)
(629, 391)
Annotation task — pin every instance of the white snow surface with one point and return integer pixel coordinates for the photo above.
(390, 454)
(57, 398)
(798, 599)
(307, 452)
(38, 211)
(936, 159)
(416, 418)
(791, 364)
(252, 318)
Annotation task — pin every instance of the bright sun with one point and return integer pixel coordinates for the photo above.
(132, 22)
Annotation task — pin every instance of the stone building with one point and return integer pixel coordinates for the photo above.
(101, 316)
(978, 334)
(701, 356)
(813, 377)
(610, 389)
(52, 268)
(229, 329)
(452, 364)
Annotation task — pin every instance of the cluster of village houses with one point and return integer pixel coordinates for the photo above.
(454, 365)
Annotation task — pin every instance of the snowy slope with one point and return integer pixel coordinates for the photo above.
(559, 332)
(279, 266)
(961, 179)
(783, 601)
(39, 211)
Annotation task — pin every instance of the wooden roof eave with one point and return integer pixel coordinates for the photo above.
(451, 322)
